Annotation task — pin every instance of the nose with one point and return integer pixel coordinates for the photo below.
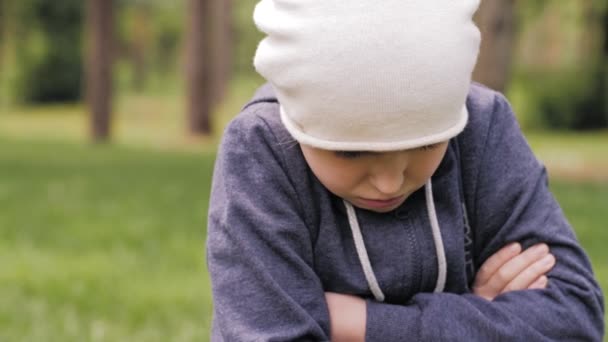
(388, 173)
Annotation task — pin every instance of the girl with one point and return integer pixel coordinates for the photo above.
(371, 192)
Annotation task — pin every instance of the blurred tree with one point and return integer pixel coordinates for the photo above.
(222, 47)
(1, 29)
(603, 61)
(496, 20)
(604, 64)
(199, 66)
(169, 30)
(140, 44)
(562, 64)
(605, 28)
(246, 39)
(1, 52)
(592, 107)
(49, 50)
(147, 39)
(135, 39)
(99, 66)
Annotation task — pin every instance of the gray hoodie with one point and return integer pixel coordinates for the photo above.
(277, 240)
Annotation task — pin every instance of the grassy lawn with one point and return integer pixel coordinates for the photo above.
(580, 157)
(102, 243)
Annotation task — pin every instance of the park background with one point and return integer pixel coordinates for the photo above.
(110, 115)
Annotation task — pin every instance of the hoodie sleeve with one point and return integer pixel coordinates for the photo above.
(512, 202)
(259, 250)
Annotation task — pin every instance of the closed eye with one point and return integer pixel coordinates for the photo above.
(358, 154)
(351, 154)
(429, 147)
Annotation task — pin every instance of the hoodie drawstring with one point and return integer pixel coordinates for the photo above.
(362, 253)
(364, 258)
(439, 249)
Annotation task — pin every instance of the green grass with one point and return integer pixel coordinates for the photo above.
(102, 243)
(106, 243)
(573, 155)
(585, 207)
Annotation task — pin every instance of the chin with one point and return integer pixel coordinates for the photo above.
(380, 210)
(376, 207)
(383, 210)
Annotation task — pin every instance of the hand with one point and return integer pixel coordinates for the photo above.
(347, 315)
(510, 269)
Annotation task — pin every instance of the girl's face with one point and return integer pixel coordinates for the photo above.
(376, 181)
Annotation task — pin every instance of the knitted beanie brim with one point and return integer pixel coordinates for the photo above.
(405, 144)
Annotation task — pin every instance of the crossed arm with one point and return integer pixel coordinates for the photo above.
(509, 269)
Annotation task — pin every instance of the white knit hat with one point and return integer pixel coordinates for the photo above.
(368, 75)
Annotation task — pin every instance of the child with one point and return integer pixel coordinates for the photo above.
(371, 192)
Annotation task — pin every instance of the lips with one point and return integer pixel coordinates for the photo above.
(380, 204)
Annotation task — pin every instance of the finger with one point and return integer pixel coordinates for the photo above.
(528, 276)
(515, 266)
(493, 263)
(540, 283)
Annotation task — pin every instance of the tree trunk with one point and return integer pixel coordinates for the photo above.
(1, 30)
(99, 67)
(199, 67)
(496, 21)
(603, 93)
(605, 29)
(2, 42)
(222, 48)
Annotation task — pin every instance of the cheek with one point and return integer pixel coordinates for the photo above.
(337, 175)
(423, 167)
(339, 178)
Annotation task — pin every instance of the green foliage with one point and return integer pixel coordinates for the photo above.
(247, 38)
(50, 50)
(530, 10)
(168, 36)
(564, 84)
(567, 99)
(149, 37)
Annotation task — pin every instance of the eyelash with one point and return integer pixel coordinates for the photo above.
(428, 147)
(350, 154)
(357, 154)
